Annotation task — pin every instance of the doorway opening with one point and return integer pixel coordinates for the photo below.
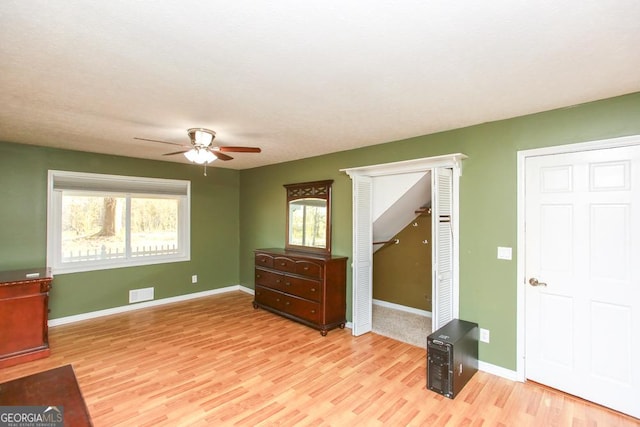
(402, 257)
(444, 173)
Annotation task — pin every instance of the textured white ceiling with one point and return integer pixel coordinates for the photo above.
(299, 78)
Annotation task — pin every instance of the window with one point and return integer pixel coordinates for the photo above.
(97, 222)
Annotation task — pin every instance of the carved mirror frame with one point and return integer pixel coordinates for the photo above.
(296, 194)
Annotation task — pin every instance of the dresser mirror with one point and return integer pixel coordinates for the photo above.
(309, 216)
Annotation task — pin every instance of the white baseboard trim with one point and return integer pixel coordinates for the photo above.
(246, 290)
(497, 371)
(349, 325)
(482, 366)
(402, 308)
(137, 306)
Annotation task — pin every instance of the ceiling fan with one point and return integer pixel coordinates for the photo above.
(201, 151)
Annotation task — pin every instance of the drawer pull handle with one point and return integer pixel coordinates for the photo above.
(283, 264)
(313, 289)
(306, 267)
(278, 299)
(258, 276)
(287, 303)
(277, 280)
(287, 283)
(313, 312)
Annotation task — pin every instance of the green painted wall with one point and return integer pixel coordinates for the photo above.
(234, 212)
(487, 201)
(402, 272)
(214, 228)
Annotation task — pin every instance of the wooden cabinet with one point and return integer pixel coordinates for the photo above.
(24, 313)
(308, 288)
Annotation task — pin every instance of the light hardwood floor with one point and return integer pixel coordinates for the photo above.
(217, 361)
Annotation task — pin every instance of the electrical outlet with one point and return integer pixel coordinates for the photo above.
(485, 335)
(194, 278)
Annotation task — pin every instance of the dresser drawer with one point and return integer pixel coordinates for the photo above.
(269, 279)
(269, 297)
(302, 267)
(284, 264)
(310, 269)
(304, 288)
(24, 289)
(264, 260)
(304, 309)
(309, 289)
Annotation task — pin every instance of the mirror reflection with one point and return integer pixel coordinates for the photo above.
(308, 222)
(309, 216)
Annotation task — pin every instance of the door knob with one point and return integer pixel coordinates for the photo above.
(534, 282)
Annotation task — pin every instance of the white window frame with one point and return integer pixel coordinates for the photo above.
(121, 186)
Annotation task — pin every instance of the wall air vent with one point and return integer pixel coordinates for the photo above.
(138, 295)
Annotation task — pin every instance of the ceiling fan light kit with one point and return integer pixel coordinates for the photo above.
(201, 151)
(200, 155)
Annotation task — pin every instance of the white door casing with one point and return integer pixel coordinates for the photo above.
(580, 326)
(362, 233)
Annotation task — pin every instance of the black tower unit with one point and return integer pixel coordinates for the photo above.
(452, 357)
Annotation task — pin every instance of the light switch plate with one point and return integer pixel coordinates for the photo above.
(504, 253)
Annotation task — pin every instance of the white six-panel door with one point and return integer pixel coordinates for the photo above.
(582, 273)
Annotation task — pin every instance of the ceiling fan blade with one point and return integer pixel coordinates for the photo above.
(176, 152)
(220, 155)
(238, 149)
(162, 142)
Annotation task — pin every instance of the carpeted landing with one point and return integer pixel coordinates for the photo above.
(401, 325)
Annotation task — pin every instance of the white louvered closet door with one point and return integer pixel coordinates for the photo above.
(442, 254)
(362, 254)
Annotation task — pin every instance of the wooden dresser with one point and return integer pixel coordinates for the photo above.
(306, 287)
(24, 313)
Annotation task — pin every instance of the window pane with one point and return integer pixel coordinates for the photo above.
(92, 228)
(154, 226)
(92, 225)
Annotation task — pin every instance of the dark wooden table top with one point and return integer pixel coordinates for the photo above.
(56, 387)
